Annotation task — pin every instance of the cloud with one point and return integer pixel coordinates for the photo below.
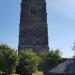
(64, 8)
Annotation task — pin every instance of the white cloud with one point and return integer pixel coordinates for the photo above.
(64, 8)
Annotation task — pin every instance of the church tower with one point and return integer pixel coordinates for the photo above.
(33, 32)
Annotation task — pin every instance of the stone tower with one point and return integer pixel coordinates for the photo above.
(33, 25)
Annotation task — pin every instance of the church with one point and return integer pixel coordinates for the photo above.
(33, 28)
(33, 33)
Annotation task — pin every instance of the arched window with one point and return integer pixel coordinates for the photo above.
(33, 11)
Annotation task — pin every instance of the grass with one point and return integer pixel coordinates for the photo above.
(38, 73)
(14, 74)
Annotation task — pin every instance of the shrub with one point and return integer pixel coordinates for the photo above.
(8, 59)
(28, 61)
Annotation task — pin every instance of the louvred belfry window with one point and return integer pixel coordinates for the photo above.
(33, 11)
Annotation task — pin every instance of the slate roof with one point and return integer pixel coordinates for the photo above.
(68, 66)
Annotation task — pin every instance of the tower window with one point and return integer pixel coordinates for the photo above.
(33, 11)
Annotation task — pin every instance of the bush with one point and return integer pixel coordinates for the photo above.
(8, 59)
(28, 61)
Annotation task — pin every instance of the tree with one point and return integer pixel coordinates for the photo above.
(55, 55)
(49, 56)
(43, 53)
(28, 61)
(8, 59)
(73, 48)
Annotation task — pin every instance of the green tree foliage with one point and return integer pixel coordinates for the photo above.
(28, 61)
(55, 55)
(73, 48)
(8, 59)
(43, 53)
(49, 56)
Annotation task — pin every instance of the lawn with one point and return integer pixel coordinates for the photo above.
(38, 73)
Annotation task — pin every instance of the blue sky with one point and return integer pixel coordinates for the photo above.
(61, 24)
